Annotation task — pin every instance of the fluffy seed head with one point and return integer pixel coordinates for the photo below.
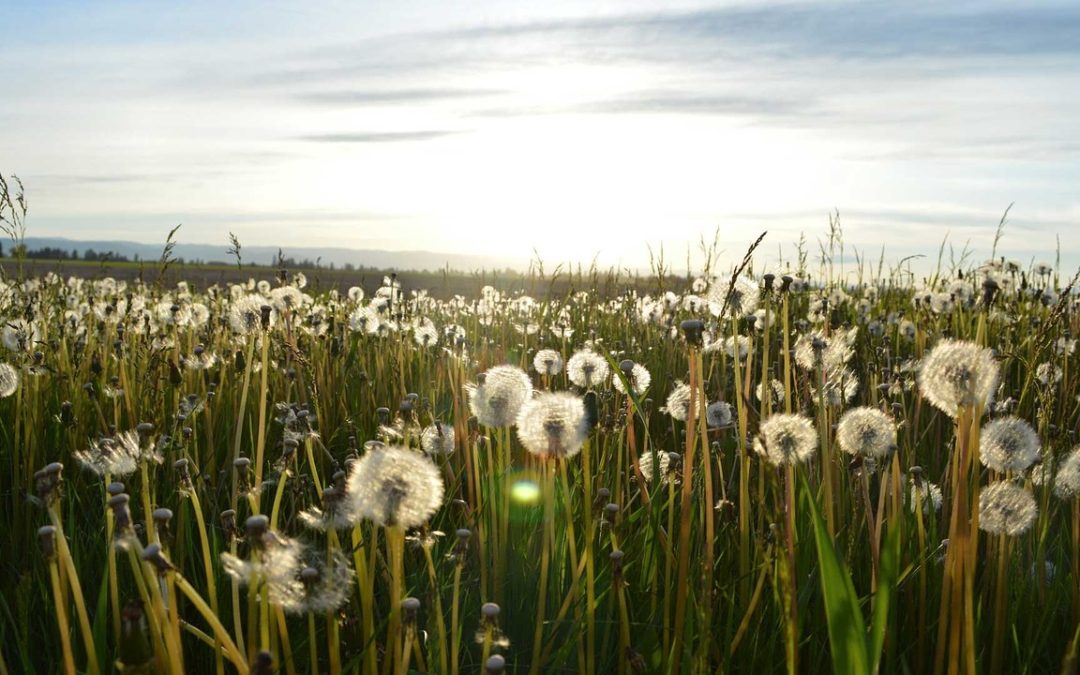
(437, 439)
(957, 374)
(586, 368)
(1008, 444)
(1006, 508)
(553, 425)
(786, 439)
(9, 380)
(867, 432)
(394, 486)
(640, 378)
(548, 362)
(498, 399)
(1067, 481)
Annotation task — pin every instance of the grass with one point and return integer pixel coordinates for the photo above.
(725, 564)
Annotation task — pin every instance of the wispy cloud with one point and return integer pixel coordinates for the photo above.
(378, 136)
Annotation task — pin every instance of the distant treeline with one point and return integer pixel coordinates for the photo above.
(90, 255)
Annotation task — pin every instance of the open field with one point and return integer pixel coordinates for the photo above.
(737, 473)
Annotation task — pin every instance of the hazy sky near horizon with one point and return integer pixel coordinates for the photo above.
(579, 129)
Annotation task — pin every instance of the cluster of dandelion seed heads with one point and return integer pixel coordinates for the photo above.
(957, 374)
(553, 425)
(786, 439)
(394, 486)
(639, 378)
(663, 463)
(866, 432)
(1006, 508)
(1009, 444)
(274, 564)
(9, 380)
(498, 399)
(587, 369)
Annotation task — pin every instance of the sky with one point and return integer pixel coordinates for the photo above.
(571, 131)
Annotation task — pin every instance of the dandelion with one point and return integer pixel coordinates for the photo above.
(639, 378)
(958, 374)
(437, 439)
(426, 335)
(678, 402)
(286, 299)
(1005, 508)
(115, 457)
(840, 387)
(664, 461)
(326, 587)
(586, 368)
(786, 439)
(498, 398)
(548, 362)
(1067, 481)
(394, 486)
(718, 415)
(245, 315)
(364, 320)
(1009, 444)
(815, 350)
(9, 380)
(553, 425)
(740, 295)
(866, 432)
(775, 388)
(1048, 373)
(929, 494)
(274, 563)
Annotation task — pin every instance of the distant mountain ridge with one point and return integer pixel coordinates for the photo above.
(266, 255)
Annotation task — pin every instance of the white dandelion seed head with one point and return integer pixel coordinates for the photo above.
(742, 296)
(287, 299)
(326, 586)
(639, 378)
(586, 368)
(776, 388)
(926, 493)
(1048, 373)
(553, 425)
(245, 315)
(815, 350)
(497, 400)
(274, 564)
(394, 486)
(786, 439)
(718, 415)
(548, 362)
(1067, 480)
(678, 402)
(663, 461)
(9, 380)
(426, 335)
(437, 439)
(107, 456)
(1009, 444)
(841, 385)
(1006, 508)
(957, 374)
(866, 432)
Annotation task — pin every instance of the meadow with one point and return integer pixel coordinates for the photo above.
(794, 470)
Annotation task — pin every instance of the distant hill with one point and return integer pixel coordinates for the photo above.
(266, 255)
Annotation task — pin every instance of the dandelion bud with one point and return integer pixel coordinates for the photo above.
(228, 523)
(611, 512)
(768, 278)
(692, 330)
(242, 466)
(67, 414)
(264, 316)
(495, 665)
(409, 608)
(617, 563)
(785, 283)
(161, 518)
(489, 613)
(406, 410)
(264, 664)
(114, 488)
(47, 540)
(288, 449)
(383, 414)
(153, 555)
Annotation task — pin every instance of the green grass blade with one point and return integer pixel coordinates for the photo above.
(847, 630)
(888, 576)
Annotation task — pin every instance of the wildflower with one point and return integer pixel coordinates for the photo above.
(117, 457)
(866, 432)
(927, 493)
(426, 335)
(664, 461)
(326, 587)
(737, 297)
(9, 380)
(586, 368)
(1067, 481)
(19, 335)
(394, 486)
(548, 362)
(437, 439)
(333, 515)
(678, 402)
(553, 425)
(814, 350)
(1009, 444)
(498, 398)
(775, 388)
(786, 439)
(639, 378)
(274, 563)
(1005, 508)
(958, 374)
(286, 298)
(245, 315)
(718, 415)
